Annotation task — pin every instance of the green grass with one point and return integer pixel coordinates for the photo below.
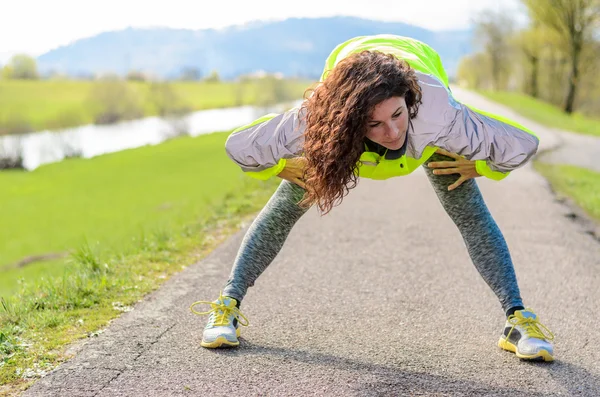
(50, 104)
(216, 95)
(128, 220)
(42, 103)
(545, 113)
(581, 184)
(113, 198)
(13, 278)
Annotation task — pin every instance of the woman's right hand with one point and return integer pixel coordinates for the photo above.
(294, 171)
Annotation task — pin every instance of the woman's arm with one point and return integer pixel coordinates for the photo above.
(262, 147)
(497, 145)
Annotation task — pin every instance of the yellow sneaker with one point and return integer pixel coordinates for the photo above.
(524, 335)
(223, 327)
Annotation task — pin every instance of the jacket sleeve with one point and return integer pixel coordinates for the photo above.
(496, 144)
(262, 147)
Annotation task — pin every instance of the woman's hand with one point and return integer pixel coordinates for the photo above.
(294, 171)
(460, 165)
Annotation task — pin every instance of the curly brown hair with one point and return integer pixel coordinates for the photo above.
(336, 114)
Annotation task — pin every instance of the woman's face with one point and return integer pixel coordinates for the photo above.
(388, 123)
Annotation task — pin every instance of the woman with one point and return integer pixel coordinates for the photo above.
(382, 108)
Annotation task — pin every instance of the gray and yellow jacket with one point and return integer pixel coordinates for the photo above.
(496, 144)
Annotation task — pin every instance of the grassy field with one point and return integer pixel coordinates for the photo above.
(52, 104)
(581, 184)
(114, 198)
(545, 113)
(127, 220)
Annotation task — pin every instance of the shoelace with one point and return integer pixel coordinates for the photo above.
(219, 313)
(531, 327)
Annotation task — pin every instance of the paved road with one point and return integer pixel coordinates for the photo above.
(575, 149)
(378, 298)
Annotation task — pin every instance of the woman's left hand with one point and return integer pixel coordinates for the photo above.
(460, 165)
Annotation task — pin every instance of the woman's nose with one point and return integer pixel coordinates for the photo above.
(392, 130)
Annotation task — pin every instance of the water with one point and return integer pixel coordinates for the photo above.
(87, 141)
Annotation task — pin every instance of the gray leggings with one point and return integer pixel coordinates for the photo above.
(465, 205)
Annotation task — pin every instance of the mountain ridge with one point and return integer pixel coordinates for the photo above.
(293, 47)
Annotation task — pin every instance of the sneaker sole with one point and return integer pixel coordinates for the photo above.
(542, 355)
(221, 341)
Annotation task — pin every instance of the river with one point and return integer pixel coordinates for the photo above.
(35, 149)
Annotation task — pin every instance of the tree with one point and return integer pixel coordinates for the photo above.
(166, 100)
(531, 44)
(588, 97)
(190, 74)
(492, 30)
(114, 100)
(6, 72)
(574, 21)
(272, 90)
(21, 66)
(473, 71)
(213, 77)
(136, 75)
(552, 77)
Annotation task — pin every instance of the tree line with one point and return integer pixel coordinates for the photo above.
(111, 98)
(555, 57)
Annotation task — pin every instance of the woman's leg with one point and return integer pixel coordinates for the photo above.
(264, 239)
(483, 238)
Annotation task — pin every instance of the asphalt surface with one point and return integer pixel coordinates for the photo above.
(575, 149)
(378, 298)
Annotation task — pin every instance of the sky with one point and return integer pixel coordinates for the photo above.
(34, 27)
